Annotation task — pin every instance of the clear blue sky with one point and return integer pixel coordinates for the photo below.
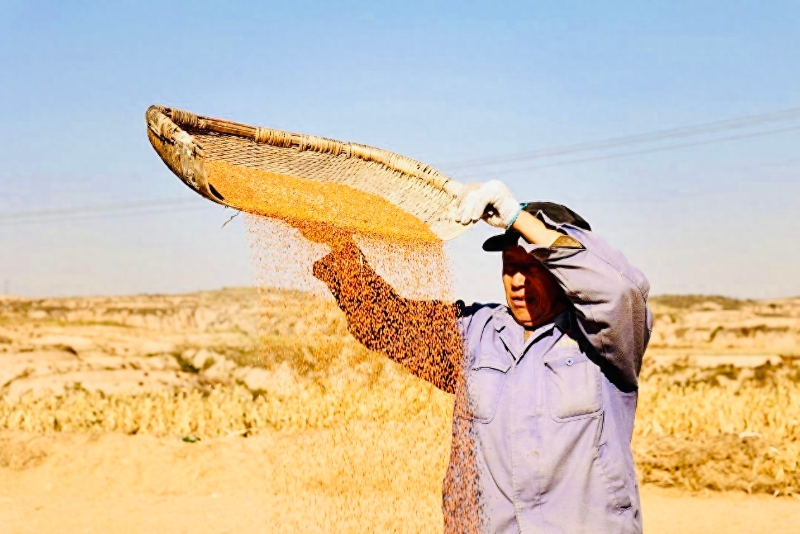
(441, 82)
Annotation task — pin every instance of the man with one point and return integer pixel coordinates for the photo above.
(544, 417)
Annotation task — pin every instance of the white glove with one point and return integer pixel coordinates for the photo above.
(490, 201)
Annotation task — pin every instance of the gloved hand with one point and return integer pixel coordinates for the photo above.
(490, 201)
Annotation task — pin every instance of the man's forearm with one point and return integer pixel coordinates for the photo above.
(534, 231)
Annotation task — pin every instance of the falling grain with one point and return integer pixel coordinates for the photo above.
(319, 237)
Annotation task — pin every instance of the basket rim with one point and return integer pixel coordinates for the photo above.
(167, 122)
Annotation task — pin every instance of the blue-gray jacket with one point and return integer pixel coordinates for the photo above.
(550, 419)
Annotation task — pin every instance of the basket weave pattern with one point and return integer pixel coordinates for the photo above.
(184, 140)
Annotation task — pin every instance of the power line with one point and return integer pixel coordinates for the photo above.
(632, 153)
(97, 208)
(84, 216)
(788, 114)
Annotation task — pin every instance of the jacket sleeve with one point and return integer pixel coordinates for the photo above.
(421, 335)
(609, 296)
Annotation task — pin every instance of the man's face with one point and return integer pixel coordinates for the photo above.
(532, 292)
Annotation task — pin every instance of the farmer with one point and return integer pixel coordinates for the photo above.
(545, 412)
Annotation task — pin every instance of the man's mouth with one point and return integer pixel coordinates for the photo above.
(522, 301)
(519, 302)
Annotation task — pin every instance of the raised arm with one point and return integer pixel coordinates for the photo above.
(608, 294)
(421, 335)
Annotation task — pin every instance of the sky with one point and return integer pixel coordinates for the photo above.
(442, 82)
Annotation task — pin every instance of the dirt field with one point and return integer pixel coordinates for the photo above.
(271, 483)
(315, 434)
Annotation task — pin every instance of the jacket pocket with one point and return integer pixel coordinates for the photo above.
(485, 382)
(572, 385)
(612, 467)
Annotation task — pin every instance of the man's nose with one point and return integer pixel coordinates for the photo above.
(518, 280)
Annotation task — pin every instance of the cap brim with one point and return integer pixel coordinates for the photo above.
(498, 243)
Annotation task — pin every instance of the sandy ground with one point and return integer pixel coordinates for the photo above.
(133, 484)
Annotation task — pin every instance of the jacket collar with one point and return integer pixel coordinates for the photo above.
(511, 332)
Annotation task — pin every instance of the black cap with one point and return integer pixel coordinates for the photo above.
(556, 212)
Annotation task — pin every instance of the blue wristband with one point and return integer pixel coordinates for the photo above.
(514, 218)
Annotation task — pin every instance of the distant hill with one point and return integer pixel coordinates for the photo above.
(714, 323)
(234, 319)
(689, 301)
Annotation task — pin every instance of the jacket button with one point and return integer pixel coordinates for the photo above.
(569, 361)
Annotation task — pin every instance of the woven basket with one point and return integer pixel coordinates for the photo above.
(186, 141)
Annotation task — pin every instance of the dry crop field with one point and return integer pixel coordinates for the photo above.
(331, 433)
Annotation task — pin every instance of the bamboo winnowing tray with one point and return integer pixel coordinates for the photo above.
(186, 141)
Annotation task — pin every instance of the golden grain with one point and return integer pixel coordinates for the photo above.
(300, 200)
